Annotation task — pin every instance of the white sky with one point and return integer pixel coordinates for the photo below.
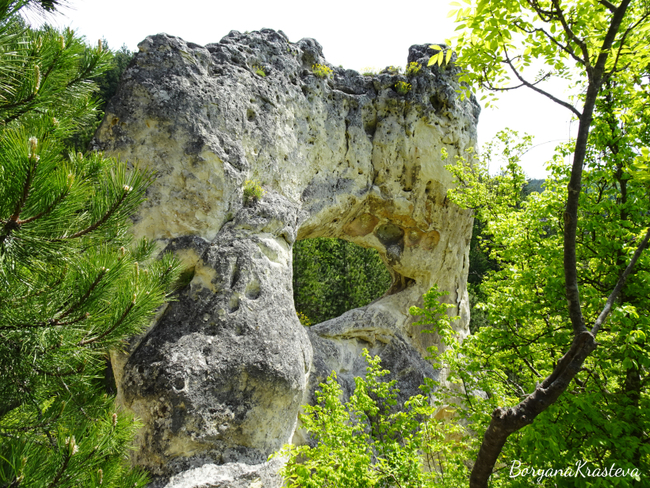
(353, 33)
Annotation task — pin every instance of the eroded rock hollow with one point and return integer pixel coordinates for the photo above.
(219, 378)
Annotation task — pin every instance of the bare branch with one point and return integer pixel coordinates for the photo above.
(491, 87)
(532, 86)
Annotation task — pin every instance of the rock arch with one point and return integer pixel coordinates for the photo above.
(220, 376)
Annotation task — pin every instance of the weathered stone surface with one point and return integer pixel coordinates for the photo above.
(230, 475)
(216, 377)
(220, 377)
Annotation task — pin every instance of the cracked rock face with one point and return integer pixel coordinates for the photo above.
(219, 378)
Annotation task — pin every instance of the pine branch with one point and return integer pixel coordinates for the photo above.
(58, 200)
(86, 295)
(85, 342)
(64, 466)
(58, 374)
(49, 323)
(106, 216)
(12, 224)
(26, 103)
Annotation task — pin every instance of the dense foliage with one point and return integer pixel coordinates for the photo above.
(602, 420)
(360, 443)
(603, 48)
(372, 441)
(72, 284)
(547, 400)
(365, 442)
(107, 82)
(332, 276)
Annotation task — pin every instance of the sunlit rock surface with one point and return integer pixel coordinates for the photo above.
(219, 379)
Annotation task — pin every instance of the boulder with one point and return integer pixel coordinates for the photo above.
(219, 378)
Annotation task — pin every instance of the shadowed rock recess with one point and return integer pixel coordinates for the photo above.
(219, 378)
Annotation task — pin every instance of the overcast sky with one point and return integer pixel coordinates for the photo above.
(354, 34)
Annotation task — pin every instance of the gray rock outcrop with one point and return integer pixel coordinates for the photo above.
(218, 380)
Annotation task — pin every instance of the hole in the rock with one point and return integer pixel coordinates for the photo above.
(179, 383)
(392, 237)
(233, 304)
(389, 234)
(253, 290)
(332, 276)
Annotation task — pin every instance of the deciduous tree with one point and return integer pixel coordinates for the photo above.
(597, 45)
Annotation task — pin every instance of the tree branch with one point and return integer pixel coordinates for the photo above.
(86, 295)
(58, 200)
(567, 30)
(532, 86)
(507, 421)
(575, 182)
(491, 87)
(12, 224)
(85, 342)
(100, 221)
(64, 466)
(620, 284)
(567, 49)
(624, 37)
(611, 7)
(545, 15)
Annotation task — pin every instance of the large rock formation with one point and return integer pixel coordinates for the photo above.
(219, 379)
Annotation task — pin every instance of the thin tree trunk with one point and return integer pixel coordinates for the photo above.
(506, 421)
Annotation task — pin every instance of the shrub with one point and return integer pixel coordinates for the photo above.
(252, 192)
(392, 70)
(360, 443)
(366, 443)
(368, 71)
(304, 320)
(322, 71)
(413, 68)
(259, 70)
(402, 87)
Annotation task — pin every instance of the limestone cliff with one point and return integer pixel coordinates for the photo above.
(219, 379)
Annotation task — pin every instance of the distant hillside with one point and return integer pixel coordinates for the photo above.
(533, 186)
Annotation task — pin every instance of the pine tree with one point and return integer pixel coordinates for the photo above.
(72, 282)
